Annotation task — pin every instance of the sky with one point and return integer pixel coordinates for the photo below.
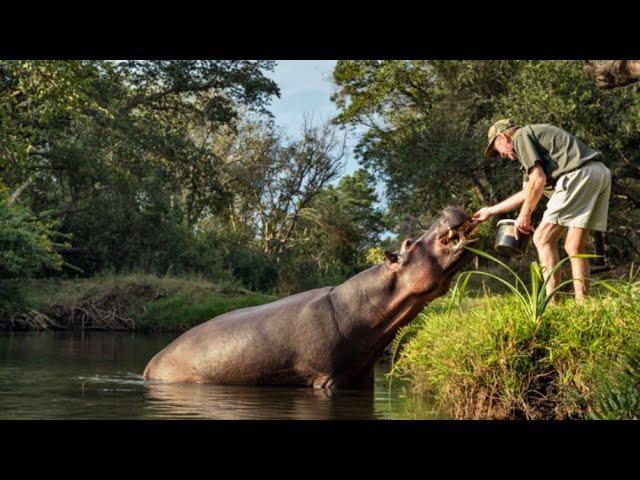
(305, 88)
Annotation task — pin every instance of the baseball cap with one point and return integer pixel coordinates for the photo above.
(497, 128)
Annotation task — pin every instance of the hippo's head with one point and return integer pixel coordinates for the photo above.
(427, 264)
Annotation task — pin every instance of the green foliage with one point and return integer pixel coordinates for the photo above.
(26, 248)
(120, 153)
(402, 336)
(374, 255)
(627, 289)
(295, 229)
(427, 123)
(39, 99)
(423, 127)
(244, 261)
(341, 225)
(619, 396)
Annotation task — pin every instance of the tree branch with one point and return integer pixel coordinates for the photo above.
(18, 192)
(627, 193)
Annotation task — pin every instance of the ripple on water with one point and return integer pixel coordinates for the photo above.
(54, 379)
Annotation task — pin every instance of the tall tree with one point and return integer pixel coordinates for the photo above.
(340, 225)
(80, 137)
(423, 126)
(428, 121)
(275, 179)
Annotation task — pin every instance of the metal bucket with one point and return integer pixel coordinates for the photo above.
(506, 241)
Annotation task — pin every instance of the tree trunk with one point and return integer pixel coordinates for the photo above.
(612, 73)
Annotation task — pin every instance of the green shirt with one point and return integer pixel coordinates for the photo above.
(558, 152)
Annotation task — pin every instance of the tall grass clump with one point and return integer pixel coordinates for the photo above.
(515, 355)
(619, 396)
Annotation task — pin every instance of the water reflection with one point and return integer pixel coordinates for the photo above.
(98, 376)
(247, 403)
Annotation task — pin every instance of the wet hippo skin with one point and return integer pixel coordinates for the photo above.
(327, 337)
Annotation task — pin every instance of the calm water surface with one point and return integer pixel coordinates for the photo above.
(97, 375)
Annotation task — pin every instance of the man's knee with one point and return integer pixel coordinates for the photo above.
(543, 238)
(573, 246)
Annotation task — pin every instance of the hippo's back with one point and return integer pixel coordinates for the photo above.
(273, 343)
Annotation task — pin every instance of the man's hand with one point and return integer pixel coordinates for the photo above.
(522, 225)
(483, 214)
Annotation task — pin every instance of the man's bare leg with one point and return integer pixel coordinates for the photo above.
(574, 245)
(546, 239)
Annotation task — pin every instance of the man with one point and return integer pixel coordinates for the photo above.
(567, 171)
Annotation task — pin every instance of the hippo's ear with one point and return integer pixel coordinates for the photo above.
(391, 257)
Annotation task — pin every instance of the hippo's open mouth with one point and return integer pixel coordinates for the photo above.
(458, 237)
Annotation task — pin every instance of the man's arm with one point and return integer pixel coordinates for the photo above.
(533, 190)
(532, 193)
(511, 203)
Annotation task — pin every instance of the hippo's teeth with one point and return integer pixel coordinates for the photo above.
(462, 243)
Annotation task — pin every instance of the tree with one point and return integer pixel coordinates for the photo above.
(275, 179)
(613, 73)
(423, 119)
(26, 248)
(339, 227)
(428, 121)
(79, 139)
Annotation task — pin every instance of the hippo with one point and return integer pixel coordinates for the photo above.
(329, 337)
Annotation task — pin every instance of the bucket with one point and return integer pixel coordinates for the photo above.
(506, 242)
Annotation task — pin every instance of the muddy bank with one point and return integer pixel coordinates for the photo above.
(124, 304)
(114, 310)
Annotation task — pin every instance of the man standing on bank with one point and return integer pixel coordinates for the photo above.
(574, 179)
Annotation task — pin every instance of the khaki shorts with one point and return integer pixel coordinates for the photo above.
(581, 198)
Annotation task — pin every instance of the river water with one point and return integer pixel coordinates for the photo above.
(97, 375)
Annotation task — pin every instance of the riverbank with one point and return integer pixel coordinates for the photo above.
(134, 302)
(483, 360)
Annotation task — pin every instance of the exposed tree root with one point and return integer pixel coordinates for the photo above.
(107, 311)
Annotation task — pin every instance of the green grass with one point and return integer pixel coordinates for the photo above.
(619, 396)
(484, 359)
(186, 310)
(533, 298)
